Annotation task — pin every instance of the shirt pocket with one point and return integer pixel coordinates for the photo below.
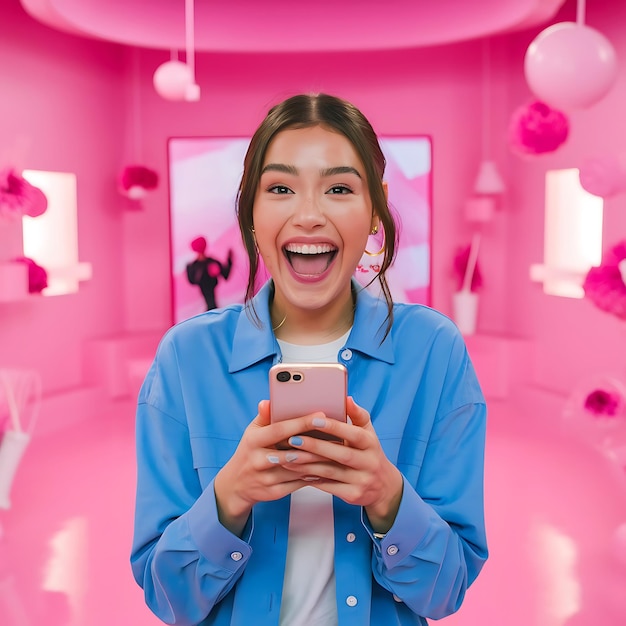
(411, 457)
(210, 454)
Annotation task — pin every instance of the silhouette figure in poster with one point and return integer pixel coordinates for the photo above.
(205, 271)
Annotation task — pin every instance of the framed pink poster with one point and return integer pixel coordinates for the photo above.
(204, 174)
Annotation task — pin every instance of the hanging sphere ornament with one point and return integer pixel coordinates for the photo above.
(570, 66)
(172, 80)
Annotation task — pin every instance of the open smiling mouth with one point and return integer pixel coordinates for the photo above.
(310, 259)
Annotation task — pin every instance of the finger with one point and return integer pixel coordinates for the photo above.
(264, 410)
(352, 436)
(291, 457)
(357, 414)
(263, 415)
(274, 433)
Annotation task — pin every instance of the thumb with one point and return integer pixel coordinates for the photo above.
(263, 417)
(357, 414)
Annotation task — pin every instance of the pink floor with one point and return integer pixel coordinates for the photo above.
(553, 507)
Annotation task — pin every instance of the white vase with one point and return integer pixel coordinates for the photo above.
(465, 311)
(12, 447)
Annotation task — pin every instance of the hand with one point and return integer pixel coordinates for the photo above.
(358, 472)
(254, 474)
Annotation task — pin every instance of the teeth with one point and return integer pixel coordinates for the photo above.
(309, 248)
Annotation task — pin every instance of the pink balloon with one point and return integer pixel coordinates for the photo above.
(171, 80)
(603, 176)
(570, 66)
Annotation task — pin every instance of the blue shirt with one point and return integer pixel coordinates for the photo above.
(428, 411)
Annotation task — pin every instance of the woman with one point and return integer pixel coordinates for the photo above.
(386, 529)
(205, 271)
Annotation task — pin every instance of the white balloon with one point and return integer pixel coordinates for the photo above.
(172, 80)
(570, 66)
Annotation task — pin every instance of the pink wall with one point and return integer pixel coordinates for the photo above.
(61, 99)
(573, 340)
(410, 92)
(71, 97)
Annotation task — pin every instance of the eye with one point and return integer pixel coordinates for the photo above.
(279, 189)
(339, 189)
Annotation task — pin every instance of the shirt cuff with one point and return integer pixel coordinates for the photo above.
(214, 541)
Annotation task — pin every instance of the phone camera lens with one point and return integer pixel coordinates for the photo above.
(283, 377)
(297, 377)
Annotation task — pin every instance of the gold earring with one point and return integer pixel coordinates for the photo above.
(374, 232)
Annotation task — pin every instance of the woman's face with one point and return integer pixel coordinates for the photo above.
(312, 216)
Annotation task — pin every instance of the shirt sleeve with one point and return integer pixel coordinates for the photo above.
(437, 544)
(182, 556)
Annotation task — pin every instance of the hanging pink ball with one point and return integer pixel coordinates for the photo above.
(172, 79)
(570, 66)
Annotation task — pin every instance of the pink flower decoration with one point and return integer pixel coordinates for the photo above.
(603, 403)
(461, 260)
(136, 180)
(37, 275)
(18, 197)
(604, 285)
(537, 129)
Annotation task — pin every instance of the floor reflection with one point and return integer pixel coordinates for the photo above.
(553, 509)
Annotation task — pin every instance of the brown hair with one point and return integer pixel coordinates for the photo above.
(304, 111)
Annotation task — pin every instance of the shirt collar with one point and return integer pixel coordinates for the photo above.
(370, 324)
(252, 343)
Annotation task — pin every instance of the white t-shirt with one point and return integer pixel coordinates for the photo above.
(309, 597)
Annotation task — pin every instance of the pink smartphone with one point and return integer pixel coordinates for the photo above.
(298, 389)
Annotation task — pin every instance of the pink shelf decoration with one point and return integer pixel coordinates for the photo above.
(605, 285)
(537, 129)
(18, 197)
(137, 180)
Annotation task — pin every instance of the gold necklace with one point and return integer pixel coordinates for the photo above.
(275, 328)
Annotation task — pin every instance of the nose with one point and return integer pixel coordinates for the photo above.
(309, 212)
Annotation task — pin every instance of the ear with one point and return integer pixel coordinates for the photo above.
(386, 190)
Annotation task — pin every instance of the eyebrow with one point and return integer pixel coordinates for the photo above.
(280, 167)
(343, 169)
(290, 169)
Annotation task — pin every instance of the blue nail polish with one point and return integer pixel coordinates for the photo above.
(291, 456)
(273, 459)
(295, 441)
(319, 421)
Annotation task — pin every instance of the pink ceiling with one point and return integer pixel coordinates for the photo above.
(291, 25)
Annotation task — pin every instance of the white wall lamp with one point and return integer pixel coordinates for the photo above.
(175, 80)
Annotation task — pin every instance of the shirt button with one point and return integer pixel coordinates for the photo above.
(351, 601)
(346, 355)
(391, 550)
(236, 556)
(350, 537)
